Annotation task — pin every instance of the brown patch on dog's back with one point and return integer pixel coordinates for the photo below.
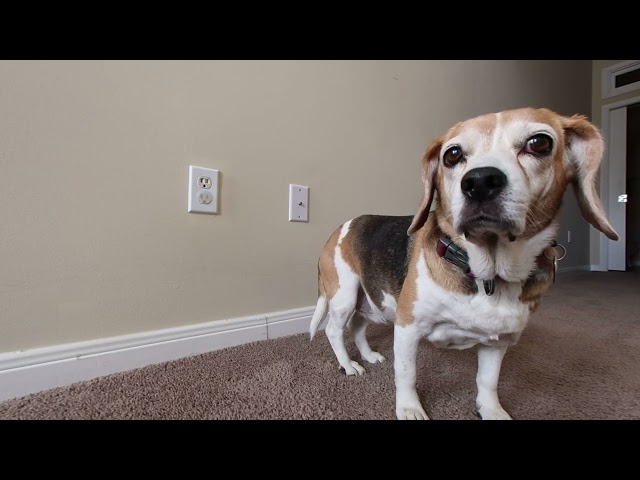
(348, 249)
(327, 273)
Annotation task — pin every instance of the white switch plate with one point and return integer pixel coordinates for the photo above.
(203, 190)
(298, 203)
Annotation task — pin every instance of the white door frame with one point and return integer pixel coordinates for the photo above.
(596, 237)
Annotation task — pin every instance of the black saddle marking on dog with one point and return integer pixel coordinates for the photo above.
(385, 250)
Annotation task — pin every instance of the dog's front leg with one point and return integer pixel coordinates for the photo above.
(489, 364)
(405, 349)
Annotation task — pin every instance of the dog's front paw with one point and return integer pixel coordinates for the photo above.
(494, 412)
(410, 409)
(354, 368)
(411, 413)
(374, 357)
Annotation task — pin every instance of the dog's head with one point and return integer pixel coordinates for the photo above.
(505, 173)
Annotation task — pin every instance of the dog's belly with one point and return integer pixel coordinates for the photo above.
(449, 335)
(367, 307)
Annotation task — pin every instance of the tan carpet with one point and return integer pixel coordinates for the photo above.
(579, 359)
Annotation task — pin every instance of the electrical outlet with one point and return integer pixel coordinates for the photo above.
(298, 203)
(203, 190)
(205, 197)
(568, 236)
(205, 182)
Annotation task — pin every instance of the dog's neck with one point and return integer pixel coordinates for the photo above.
(511, 261)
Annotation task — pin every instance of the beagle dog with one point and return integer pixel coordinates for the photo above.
(470, 272)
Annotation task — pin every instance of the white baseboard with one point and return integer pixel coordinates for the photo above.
(31, 371)
(291, 322)
(574, 269)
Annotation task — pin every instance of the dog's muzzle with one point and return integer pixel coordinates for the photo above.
(483, 211)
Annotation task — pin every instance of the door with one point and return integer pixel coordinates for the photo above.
(617, 187)
(633, 188)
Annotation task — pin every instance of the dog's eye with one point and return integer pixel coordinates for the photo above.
(452, 156)
(539, 144)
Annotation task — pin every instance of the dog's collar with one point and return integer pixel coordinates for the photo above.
(447, 249)
(458, 256)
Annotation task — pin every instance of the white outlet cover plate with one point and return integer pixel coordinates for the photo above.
(298, 203)
(197, 193)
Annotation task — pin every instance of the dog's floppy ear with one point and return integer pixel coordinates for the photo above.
(585, 147)
(429, 170)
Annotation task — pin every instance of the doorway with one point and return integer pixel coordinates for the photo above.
(623, 185)
(632, 237)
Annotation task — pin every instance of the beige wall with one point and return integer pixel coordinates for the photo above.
(95, 240)
(597, 102)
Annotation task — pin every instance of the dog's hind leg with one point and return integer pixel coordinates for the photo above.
(340, 276)
(341, 308)
(358, 325)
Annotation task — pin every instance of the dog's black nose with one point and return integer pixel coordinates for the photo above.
(481, 184)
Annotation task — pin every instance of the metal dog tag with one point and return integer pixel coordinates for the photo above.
(554, 257)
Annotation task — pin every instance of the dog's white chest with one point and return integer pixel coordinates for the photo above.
(454, 320)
